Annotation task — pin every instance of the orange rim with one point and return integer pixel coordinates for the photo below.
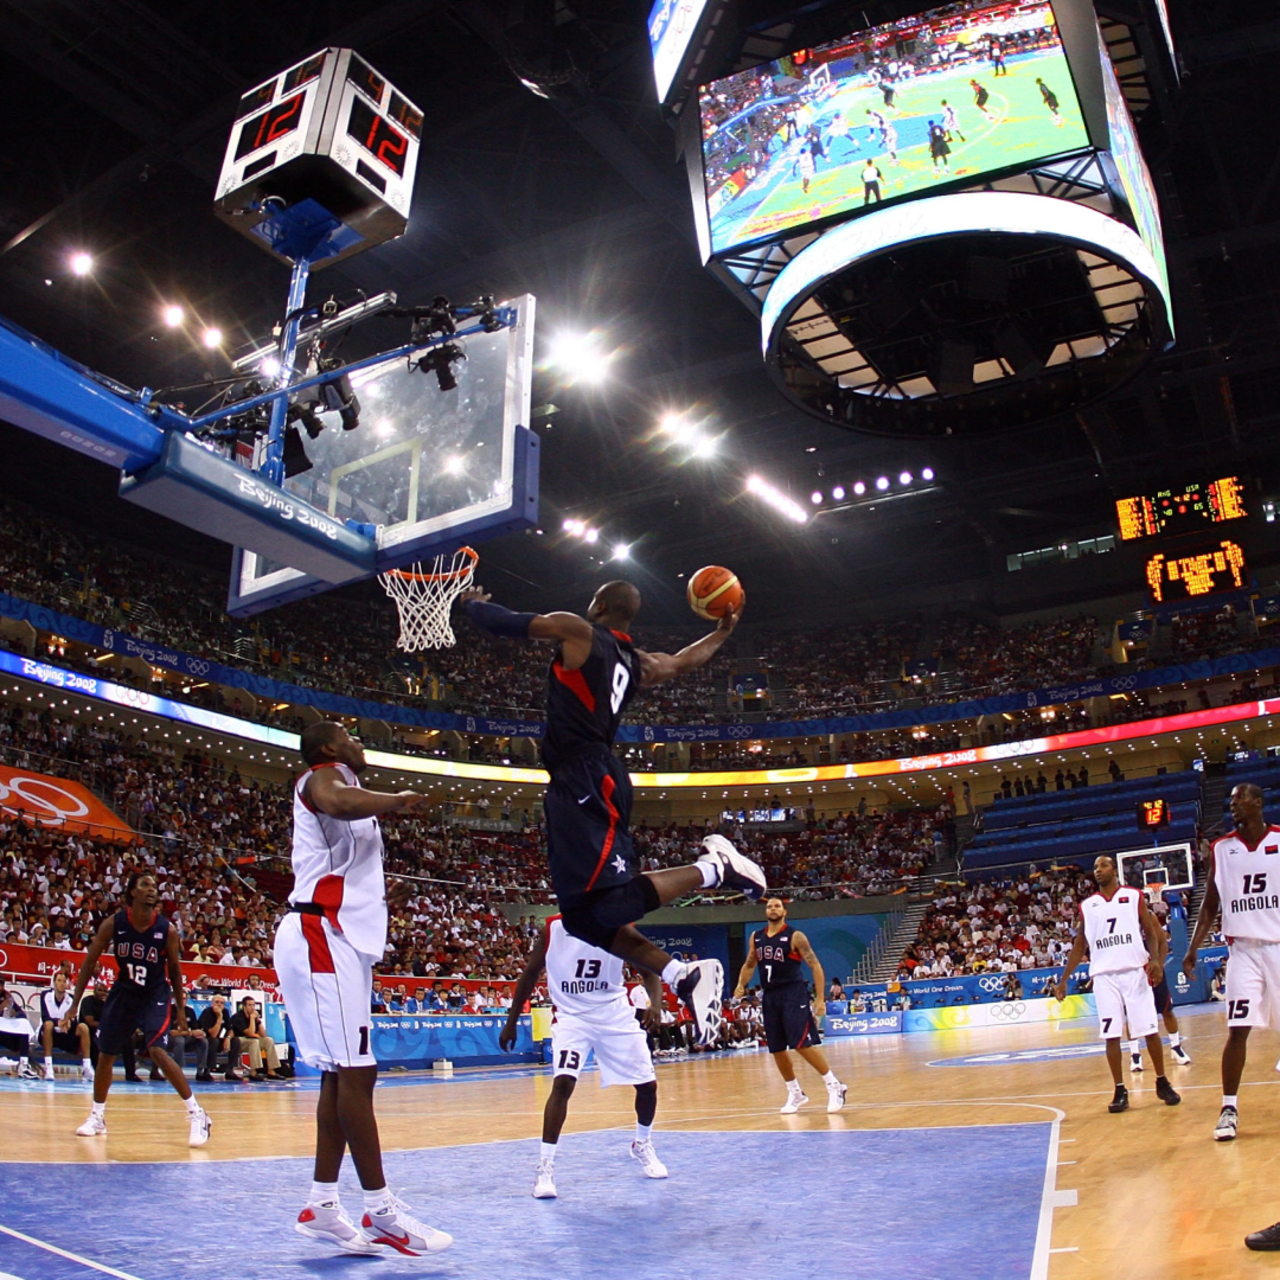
(409, 576)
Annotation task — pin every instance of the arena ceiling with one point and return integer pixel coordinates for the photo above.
(113, 136)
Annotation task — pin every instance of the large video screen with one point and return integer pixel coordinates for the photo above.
(898, 110)
(672, 24)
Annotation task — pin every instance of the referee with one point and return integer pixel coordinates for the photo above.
(778, 951)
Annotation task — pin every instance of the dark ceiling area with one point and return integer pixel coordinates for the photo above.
(112, 140)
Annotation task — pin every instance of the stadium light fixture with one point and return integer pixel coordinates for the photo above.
(905, 478)
(882, 483)
(173, 315)
(591, 535)
(81, 263)
(816, 498)
(927, 474)
(837, 493)
(453, 466)
(777, 500)
(621, 551)
(579, 357)
(270, 367)
(859, 488)
(212, 338)
(703, 446)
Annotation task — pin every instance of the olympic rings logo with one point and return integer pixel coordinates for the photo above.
(42, 799)
(1010, 1012)
(738, 731)
(1125, 682)
(991, 984)
(198, 666)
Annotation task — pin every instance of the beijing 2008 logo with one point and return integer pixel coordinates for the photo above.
(41, 799)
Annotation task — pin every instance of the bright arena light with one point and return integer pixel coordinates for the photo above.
(592, 535)
(270, 367)
(212, 338)
(778, 501)
(815, 497)
(678, 427)
(905, 478)
(81, 264)
(382, 428)
(859, 488)
(882, 483)
(621, 551)
(173, 315)
(838, 493)
(579, 357)
(453, 466)
(927, 474)
(704, 447)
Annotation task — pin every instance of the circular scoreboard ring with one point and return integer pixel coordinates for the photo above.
(964, 314)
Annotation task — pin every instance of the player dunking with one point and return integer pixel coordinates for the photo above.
(148, 977)
(592, 1012)
(1244, 879)
(778, 951)
(592, 678)
(326, 947)
(1126, 955)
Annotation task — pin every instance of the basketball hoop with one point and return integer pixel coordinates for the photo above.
(424, 596)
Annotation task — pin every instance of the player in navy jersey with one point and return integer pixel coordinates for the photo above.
(777, 951)
(148, 978)
(594, 675)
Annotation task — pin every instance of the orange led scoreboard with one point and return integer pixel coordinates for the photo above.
(1181, 510)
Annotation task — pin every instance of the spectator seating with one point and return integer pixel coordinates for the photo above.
(1078, 825)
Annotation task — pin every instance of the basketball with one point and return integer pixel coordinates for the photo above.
(713, 591)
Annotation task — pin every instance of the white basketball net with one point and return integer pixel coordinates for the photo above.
(424, 596)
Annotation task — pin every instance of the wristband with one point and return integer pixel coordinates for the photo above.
(498, 621)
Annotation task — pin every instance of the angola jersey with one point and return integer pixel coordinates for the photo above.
(1113, 930)
(140, 955)
(581, 979)
(776, 959)
(584, 706)
(338, 865)
(1248, 881)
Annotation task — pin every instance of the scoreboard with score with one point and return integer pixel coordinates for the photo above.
(1153, 814)
(1220, 568)
(1181, 510)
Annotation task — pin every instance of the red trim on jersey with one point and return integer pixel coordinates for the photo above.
(546, 929)
(328, 894)
(306, 777)
(606, 792)
(576, 682)
(163, 1029)
(622, 635)
(318, 952)
(1235, 835)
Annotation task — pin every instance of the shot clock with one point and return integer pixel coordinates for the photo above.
(329, 130)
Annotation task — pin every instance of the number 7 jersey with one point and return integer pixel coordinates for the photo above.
(581, 979)
(1113, 929)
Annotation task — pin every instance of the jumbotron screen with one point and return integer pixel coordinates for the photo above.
(1183, 509)
(893, 111)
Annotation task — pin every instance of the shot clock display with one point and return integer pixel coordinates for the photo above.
(1153, 814)
(271, 125)
(1181, 510)
(376, 135)
(1220, 568)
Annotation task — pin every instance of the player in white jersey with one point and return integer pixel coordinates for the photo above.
(326, 947)
(592, 1012)
(1244, 884)
(1126, 956)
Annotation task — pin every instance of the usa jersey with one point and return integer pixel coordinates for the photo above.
(581, 979)
(140, 955)
(776, 959)
(1113, 930)
(1248, 883)
(584, 706)
(338, 865)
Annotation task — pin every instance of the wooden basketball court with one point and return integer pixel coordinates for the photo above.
(953, 1146)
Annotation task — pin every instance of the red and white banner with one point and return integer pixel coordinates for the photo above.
(60, 804)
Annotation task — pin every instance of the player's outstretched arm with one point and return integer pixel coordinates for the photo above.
(748, 969)
(801, 944)
(326, 791)
(657, 668)
(1210, 905)
(571, 632)
(524, 989)
(1073, 960)
(89, 965)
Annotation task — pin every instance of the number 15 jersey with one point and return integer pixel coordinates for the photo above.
(1113, 930)
(1248, 883)
(581, 979)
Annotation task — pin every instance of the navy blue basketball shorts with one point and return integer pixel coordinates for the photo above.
(788, 1020)
(1164, 1000)
(126, 1012)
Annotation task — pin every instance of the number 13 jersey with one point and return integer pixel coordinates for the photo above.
(582, 979)
(1114, 932)
(1248, 883)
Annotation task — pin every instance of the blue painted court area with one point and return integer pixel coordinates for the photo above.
(822, 1204)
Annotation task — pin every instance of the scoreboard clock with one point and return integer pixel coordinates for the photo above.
(1153, 814)
(330, 130)
(1181, 510)
(1187, 577)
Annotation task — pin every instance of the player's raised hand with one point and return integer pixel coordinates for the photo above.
(473, 593)
(731, 616)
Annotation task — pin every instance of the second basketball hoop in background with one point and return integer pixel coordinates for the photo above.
(424, 595)
(714, 591)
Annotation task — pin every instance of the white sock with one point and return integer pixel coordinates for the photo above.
(674, 971)
(1229, 1100)
(710, 872)
(376, 1200)
(547, 1152)
(323, 1193)
(793, 1086)
(48, 1063)
(193, 1107)
(24, 1060)
(1175, 1039)
(88, 1066)
(830, 1080)
(99, 1109)
(1132, 1046)
(644, 1132)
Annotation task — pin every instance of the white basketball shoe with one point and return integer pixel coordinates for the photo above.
(733, 870)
